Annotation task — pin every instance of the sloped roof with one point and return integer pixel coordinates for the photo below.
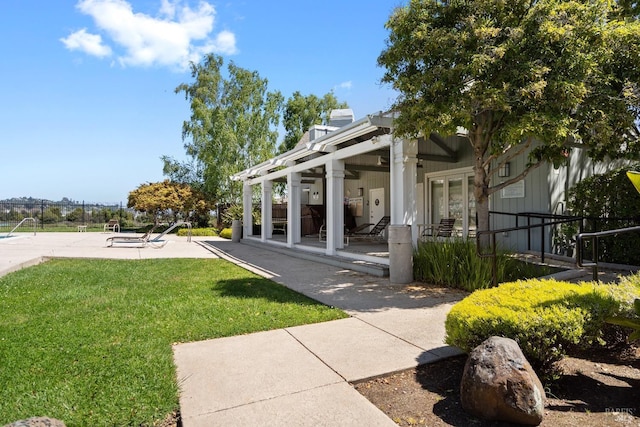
(324, 144)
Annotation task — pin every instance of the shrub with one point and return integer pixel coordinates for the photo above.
(198, 232)
(544, 317)
(455, 263)
(225, 233)
(234, 212)
(629, 322)
(609, 201)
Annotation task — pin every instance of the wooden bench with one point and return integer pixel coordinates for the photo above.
(113, 225)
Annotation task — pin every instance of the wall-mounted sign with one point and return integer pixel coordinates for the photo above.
(513, 191)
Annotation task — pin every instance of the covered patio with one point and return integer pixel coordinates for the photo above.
(341, 177)
(316, 174)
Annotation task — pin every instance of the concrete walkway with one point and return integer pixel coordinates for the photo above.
(294, 376)
(300, 375)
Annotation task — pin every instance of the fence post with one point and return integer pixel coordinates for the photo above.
(42, 213)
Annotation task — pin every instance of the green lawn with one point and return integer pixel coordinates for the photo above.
(89, 341)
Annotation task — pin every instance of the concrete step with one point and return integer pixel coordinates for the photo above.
(373, 269)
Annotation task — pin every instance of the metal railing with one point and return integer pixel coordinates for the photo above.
(595, 246)
(546, 220)
(491, 236)
(58, 214)
(35, 223)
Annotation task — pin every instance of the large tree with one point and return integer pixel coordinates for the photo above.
(301, 112)
(169, 200)
(521, 76)
(233, 125)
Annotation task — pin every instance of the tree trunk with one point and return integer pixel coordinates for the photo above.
(481, 194)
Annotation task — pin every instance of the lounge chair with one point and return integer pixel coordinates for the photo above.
(443, 229)
(129, 238)
(375, 233)
(146, 239)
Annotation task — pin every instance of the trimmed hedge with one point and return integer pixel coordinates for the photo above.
(198, 232)
(225, 233)
(544, 317)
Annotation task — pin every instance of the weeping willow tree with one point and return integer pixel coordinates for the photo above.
(233, 125)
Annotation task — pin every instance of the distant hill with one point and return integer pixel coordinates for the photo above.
(64, 200)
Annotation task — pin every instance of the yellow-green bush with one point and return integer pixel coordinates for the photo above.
(543, 316)
(225, 233)
(198, 232)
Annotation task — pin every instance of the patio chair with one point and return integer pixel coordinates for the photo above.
(443, 229)
(124, 238)
(374, 233)
(113, 225)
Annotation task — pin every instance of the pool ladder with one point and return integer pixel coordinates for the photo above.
(35, 223)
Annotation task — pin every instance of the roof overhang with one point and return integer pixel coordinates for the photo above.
(321, 146)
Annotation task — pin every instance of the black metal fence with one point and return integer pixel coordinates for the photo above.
(63, 214)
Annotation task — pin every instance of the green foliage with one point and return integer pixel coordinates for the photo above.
(89, 341)
(225, 233)
(233, 125)
(302, 112)
(602, 199)
(545, 317)
(75, 215)
(455, 263)
(51, 215)
(629, 316)
(169, 201)
(235, 212)
(198, 232)
(511, 72)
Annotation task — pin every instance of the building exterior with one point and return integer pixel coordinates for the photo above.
(354, 172)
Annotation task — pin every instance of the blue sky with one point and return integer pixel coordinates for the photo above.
(88, 103)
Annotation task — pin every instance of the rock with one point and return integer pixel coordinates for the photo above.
(37, 422)
(499, 384)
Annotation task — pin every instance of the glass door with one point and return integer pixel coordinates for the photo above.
(451, 196)
(456, 203)
(436, 197)
(471, 208)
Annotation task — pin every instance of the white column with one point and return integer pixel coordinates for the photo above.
(267, 211)
(294, 216)
(335, 206)
(247, 209)
(403, 168)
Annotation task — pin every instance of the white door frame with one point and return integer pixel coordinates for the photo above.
(446, 176)
(376, 210)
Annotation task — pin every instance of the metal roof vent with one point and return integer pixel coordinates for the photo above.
(340, 118)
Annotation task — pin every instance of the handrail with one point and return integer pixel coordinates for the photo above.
(561, 219)
(175, 225)
(35, 224)
(594, 250)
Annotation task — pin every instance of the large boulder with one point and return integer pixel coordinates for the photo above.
(498, 383)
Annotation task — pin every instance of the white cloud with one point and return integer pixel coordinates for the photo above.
(345, 85)
(177, 36)
(89, 43)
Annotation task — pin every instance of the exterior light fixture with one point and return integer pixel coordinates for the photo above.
(504, 170)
